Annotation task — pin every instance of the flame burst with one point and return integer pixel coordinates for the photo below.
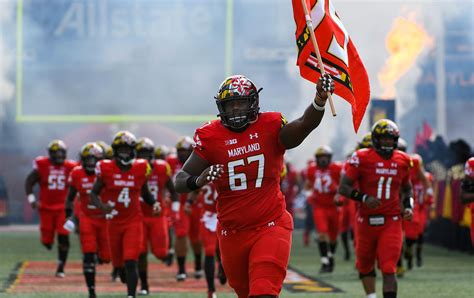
(405, 42)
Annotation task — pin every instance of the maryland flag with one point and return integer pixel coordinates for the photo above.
(339, 55)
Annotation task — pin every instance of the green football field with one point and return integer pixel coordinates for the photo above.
(444, 274)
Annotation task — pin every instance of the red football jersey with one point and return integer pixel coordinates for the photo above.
(52, 182)
(380, 178)
(174, 163)
(325, 182)
(83, 184)
(160, 175)
(469, 168)
(417, 184)
(208, 197)
(249, 191)
(122, 189)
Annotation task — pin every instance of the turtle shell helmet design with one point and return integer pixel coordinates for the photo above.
(385, 128)
(90, 154)
(238, 88)
(124, 139)
(161, 152)
(366, 142)
(108, 152)
(145, 149)
(57, 151)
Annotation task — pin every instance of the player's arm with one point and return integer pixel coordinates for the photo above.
(346, 188)
(406, 194)
(71, 195)
(196, 173)
(293, 133)
(94, 195)
(146, 194)
(175, 204)
(420, 174)
(32, 178)
(467, 190)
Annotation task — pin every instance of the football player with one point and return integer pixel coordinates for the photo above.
(161, 152)
(155, 228)
(467, 190)
(242, 153)
(413, 228)
(189, 219)
(382, 174)
(119, 184)
(93, 225)
(51, 174)
(323, 180)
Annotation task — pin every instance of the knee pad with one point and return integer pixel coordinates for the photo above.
(63, 242)
(369, 274)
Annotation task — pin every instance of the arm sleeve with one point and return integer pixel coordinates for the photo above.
(352, 167)
(201, 146)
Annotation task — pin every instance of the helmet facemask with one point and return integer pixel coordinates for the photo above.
(124, 154)
(88, 163)
(147, 154)
(385, 134)
(57, 157)
(238, 112)
(323, 160)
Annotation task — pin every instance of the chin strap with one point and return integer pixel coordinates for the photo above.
(126, 163)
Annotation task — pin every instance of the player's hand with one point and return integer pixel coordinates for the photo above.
(325, 85)
(338, 200)
(33, 201)
(69, 225)
(372, 202)
(188, 208)
(210, 174)
(106, 208)
(408, 214)
(156, 208)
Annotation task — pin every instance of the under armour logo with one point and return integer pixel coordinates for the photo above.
(255, 135)
(271, 224)
(224, 233)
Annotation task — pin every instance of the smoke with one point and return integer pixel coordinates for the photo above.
(369, 38)
(7, 88)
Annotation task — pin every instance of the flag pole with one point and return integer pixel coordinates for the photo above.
(309, 24)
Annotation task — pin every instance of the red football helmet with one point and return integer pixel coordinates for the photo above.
(237, 102)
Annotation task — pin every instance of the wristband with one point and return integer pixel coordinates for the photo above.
(175, 206)
(359, 196)
(191, 182)
(31, 198)
(318, 107)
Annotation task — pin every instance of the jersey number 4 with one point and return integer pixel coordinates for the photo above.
(234, 177)
(124, 197)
